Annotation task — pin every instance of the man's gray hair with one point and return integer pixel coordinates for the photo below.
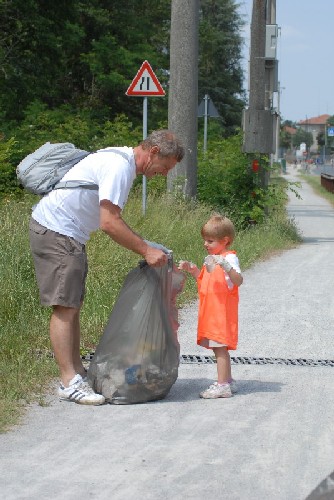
(168, 143)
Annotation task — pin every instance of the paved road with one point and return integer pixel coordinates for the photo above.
(274, 439)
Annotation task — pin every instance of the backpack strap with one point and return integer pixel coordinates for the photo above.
(75, 184)
(71, 184)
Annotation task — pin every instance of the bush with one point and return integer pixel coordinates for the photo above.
(60, 125)
(228, 184)
(8, 182)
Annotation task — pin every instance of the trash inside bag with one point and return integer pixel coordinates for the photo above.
(138, 355)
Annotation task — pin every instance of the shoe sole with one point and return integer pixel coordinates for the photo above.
(216, 397)
(80, 402)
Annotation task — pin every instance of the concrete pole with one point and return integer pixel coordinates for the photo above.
(183, 91)
(257, 53)
(257, 119)
(270, 19)
(278, 123)
(269, 99)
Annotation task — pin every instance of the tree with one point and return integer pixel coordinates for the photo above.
(80, 52)
(39, 44)
(328, 141)
(289, 123)
(321, 139)
(123, 37)
(285, 139)
(287, 131)
(220, 72)
(302, 136)
(84, 54)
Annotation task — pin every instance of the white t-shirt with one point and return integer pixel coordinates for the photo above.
(234, 261)
(76, 212)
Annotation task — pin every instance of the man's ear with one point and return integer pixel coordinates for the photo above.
(155, 150)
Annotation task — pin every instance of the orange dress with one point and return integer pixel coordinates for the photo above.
(218, 308)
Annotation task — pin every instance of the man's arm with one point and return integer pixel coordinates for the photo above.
(113, 225)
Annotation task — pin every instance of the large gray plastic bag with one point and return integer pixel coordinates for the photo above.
(138, 355)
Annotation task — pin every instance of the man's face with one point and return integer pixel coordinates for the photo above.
(157, 165)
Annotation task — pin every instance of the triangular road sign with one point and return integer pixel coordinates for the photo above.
(145, 83)
(211, 109)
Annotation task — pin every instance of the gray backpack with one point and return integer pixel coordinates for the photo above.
(41, 171)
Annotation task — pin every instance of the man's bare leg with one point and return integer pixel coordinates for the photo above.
(65, 341)
(76, 357)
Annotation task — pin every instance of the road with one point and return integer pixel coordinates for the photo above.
(274, 439)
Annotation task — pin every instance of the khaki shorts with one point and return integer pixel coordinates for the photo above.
(60, 265)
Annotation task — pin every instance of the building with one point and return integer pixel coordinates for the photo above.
(314, 126)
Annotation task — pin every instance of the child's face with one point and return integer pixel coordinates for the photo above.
(214, 247)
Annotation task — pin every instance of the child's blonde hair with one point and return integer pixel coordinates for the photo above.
(217, 227)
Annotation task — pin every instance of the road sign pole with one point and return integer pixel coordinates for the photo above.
(206, 102)
(144, 84)
(144, 137)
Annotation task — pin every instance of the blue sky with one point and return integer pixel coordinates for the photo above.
(305, 54)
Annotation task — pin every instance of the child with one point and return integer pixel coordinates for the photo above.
(218, 283)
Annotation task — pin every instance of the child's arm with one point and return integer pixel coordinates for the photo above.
(190, 267)
(234, 276)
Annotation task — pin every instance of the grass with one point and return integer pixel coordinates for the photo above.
(26, 366)
(315, 182)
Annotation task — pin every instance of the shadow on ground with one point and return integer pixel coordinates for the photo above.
(325, 490)
(189, 389)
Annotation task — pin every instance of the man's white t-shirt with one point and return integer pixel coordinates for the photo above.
(76, 212)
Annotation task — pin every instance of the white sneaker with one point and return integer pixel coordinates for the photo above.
(80, 392)
(217, 391)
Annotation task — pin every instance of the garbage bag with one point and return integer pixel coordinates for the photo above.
(138, 355)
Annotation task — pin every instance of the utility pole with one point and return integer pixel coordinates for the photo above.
(258, 118)
(278, 123)
(183, 91)
(270, 63)
(271, 71)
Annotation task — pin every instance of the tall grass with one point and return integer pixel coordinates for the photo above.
(26, 367)
(315, 182)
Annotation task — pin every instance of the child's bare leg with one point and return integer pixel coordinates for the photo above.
(223, 365)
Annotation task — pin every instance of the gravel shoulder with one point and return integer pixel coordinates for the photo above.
(272, 440)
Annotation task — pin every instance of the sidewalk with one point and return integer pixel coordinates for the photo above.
(272, 440)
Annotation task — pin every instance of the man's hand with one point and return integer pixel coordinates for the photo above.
(111, 222)
(155, 257)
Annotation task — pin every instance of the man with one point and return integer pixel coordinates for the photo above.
(60, 226)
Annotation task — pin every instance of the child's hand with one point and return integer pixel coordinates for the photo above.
(211, 261)
(222, 262)
(184, 265)
(190, 267)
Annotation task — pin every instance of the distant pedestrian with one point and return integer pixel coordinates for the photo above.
(218, 283)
